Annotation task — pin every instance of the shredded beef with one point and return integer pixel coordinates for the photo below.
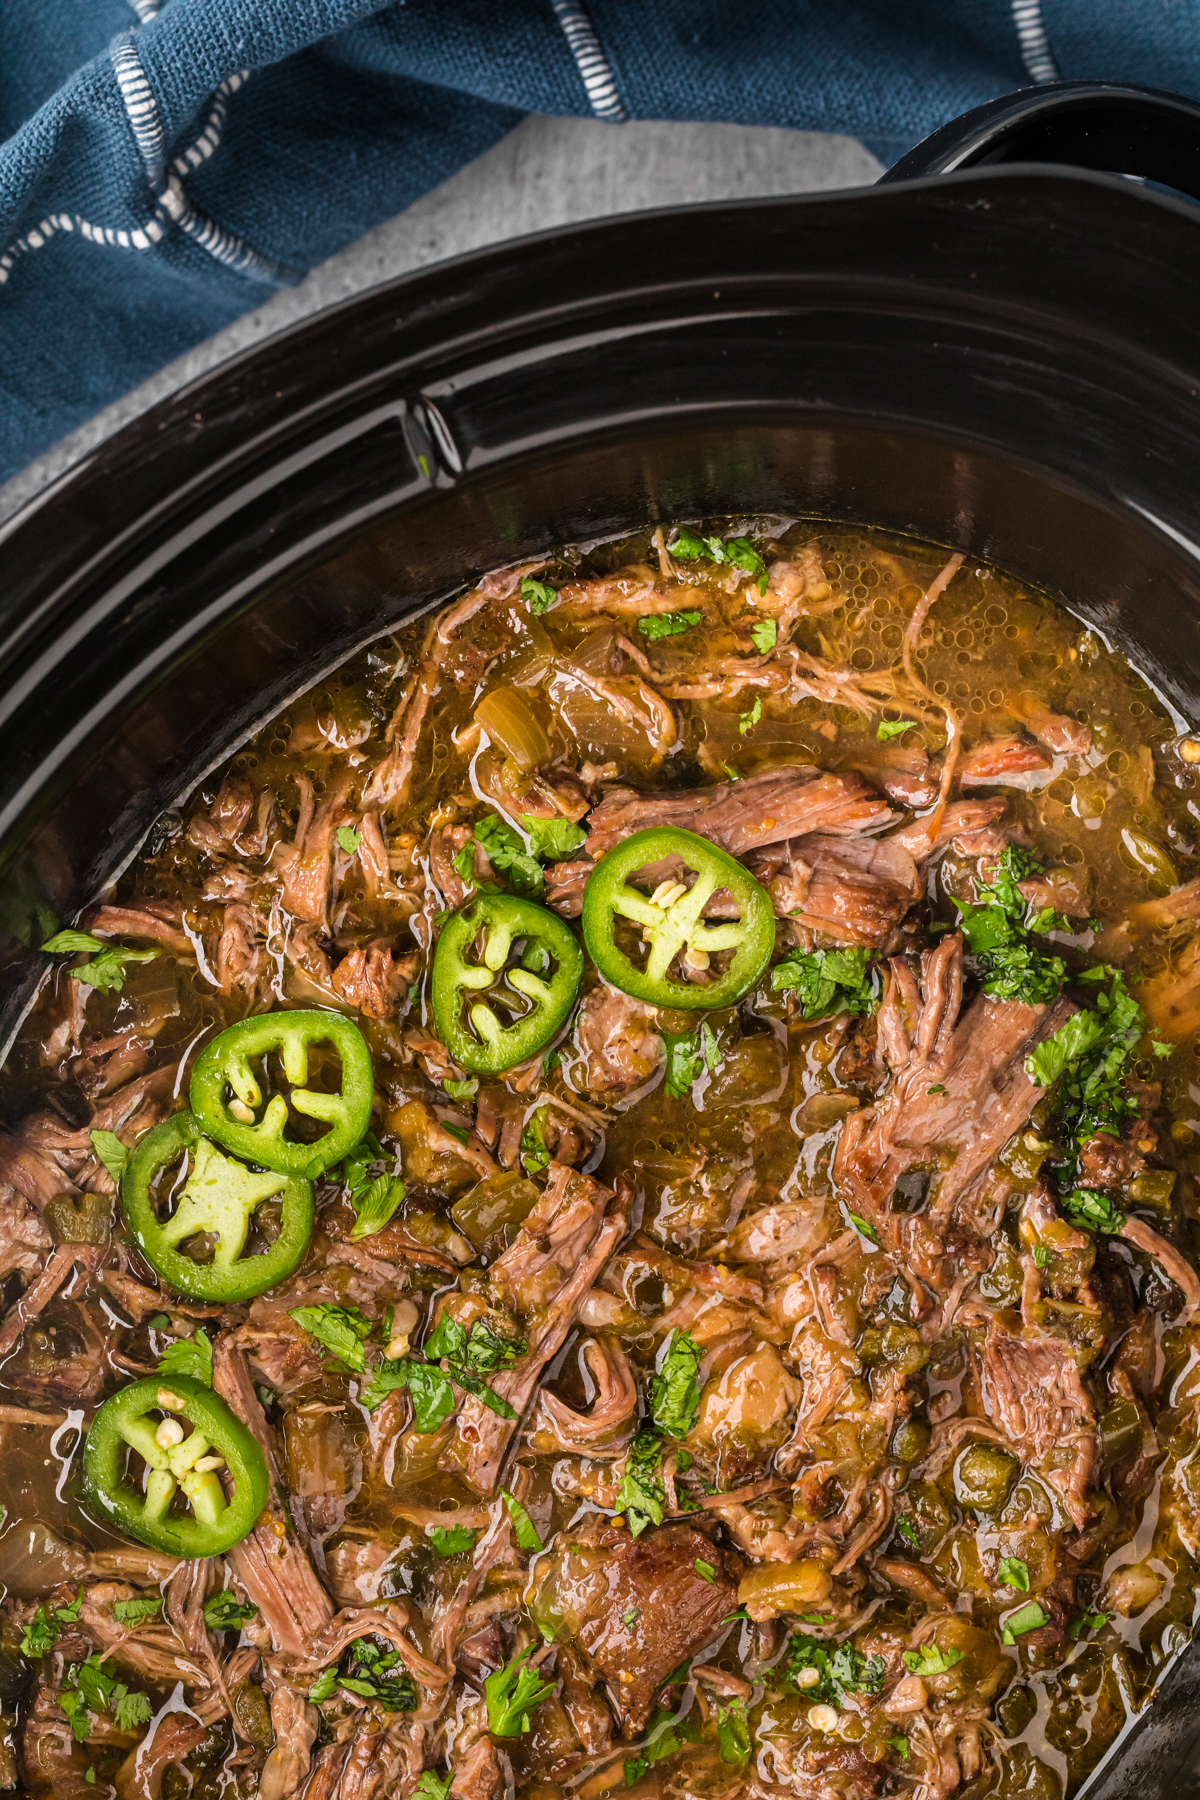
(743, 815)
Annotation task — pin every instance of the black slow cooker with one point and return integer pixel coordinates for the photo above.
(997, 348)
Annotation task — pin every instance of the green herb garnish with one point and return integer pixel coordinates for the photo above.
(189, 1356)
(225, 1612)
(552, 840)
(662, 625)
(827, 982)
(675, 1390)
(537, 596)
(511, 1695)
(106, 969)
(1029, 1617)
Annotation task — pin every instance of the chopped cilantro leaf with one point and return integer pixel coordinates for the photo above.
(339, 1329)
(1014, 1573)
(429, 1390)
(504, 850)
(706, 1571)
(375, 1204)
(511, 1695)
(432, 1787)
(106, 970)
(840, 1671)
(827, 982)
(1043, 1256)
(535, 1154)
(323, 1686)
(132, 1612)
(347, 839)
(524, 1529)
(733, 1734)
(675, 1391)
(42, 1633)
(890, 728)
(1015, 972)
(908, 1531)
(130, 1710)
(377, 1675)
(750, 719)
(662, 625)
(931, 1660)
(451, 1540)
(111, 1152)
(1088, 1210)
(1029, 1617)
(641, 1496)
(689, 1053)
(538, 597)
(553, 840)
(765, 635)
(688, 546)
(189, 1356)
(462, 1090)
(861, 1226)
(225, 1612)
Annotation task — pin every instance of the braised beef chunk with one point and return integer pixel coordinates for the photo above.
(637, 1607)
(743, 815)
(746, 1400)
(842, 890)
(960, 1090)
(1034, 1393)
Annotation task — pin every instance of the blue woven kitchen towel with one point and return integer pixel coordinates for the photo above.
(165, 167)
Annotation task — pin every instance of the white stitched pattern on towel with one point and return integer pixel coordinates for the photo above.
(1035, 44)
(590, 60)
(200, 151)
(171, 205)
(140, 106)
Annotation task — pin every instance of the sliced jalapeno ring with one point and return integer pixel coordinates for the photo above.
(201, 1491)
(671, 921)
(219, 1198)
(226, 1094)
(506, 973)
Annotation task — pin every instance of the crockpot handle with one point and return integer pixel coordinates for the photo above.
(1124, 129)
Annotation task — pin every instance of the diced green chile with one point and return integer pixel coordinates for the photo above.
(219, 1197)
(181, 1510)
(609, 897)
(519, 958)
(224, 1076)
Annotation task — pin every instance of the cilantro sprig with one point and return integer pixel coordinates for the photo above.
(689, 1053)
(1088, 1058)
(997, 931)
(827, 982)
(641, 1495)
(92, 1689)
(552, 840)
(105, 968)
(735, 552)
(454, 1356)
(189, 1356)
(511, 1694)
(507, 854)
